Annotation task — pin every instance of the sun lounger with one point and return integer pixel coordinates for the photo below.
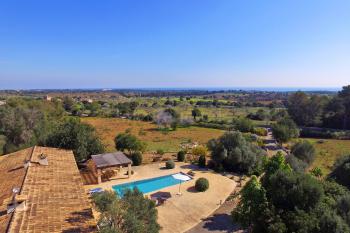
(95, 190)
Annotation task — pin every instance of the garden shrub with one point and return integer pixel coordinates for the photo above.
(170, 164)
(202, 184)
(136, 158)
(202, 161)
(260, 131)
(181, 156)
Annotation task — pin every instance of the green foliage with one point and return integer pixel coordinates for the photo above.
(79, 137)
(291, 202)
(27, 122)
(104, 200)
(296, 164)
(68, 103)
(136, 158)
(129, 142)
(133, 213)
(253, 203)
(317, 172)
(196, 113)
(260, 131)
(304, 109)
(284, 130)
(290, 191)
(170, 164)
(341, 171)
(276, 163)
(243, 124)
(233, 153)
(202, 161)
(304, 151)
(181, 156)
(202, 184)
(199, 150)
(337, 112)
(160, 151)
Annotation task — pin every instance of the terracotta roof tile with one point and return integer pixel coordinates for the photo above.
(56, 201)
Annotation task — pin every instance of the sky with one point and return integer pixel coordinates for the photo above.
(174, 43)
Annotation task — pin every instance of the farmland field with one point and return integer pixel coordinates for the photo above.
(213, 113)
(108, 128)
(328, 151)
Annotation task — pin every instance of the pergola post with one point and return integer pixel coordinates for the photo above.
(129, 170)
(99, 174)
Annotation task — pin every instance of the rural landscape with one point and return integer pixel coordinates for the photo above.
(186, 116)
(270, 148)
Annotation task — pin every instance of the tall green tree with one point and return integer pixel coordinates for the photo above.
(196, 113)
(79, 137)
(337, 112)
(304, 109)
(233, 152)
(27, 122)
(284, 130)
(129, 142)
(131, 213)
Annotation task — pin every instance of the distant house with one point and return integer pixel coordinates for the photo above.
(41, 190)
(87, 101)
(48, 98)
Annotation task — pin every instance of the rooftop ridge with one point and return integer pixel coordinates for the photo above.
(21, 188)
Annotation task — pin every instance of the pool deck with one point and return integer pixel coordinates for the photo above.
(181, 213)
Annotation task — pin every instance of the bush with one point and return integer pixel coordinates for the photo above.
(136, 158)
(160, 152)
(202, 184)
(199, 150)
(260, 131)
(181, 156)
(296, 164)
(170, 164)
(244, 125)
(304, 151)
(341, 171)
(317, 172)
(202, 161)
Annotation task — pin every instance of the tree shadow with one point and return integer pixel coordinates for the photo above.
(192, 190)
(80, 221)
(220, 222)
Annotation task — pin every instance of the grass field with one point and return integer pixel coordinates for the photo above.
(108, 128)
(213, 113)
(328, 152)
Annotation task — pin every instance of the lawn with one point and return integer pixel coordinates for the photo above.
(108, 128)
(328, 151)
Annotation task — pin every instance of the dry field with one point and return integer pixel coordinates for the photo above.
(327, 152)
(108, 128)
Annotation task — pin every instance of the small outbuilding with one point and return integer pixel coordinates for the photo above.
(116, 160)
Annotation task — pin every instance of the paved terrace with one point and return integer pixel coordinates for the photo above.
(181, 213)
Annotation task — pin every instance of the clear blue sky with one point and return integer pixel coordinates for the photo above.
(174, 43)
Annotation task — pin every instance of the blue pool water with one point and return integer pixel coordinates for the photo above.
(149, 185)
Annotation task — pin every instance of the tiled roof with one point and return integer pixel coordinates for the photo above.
(11, 175)
(55, 197)
(110, 159)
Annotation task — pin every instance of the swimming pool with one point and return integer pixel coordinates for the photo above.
(148, 185)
